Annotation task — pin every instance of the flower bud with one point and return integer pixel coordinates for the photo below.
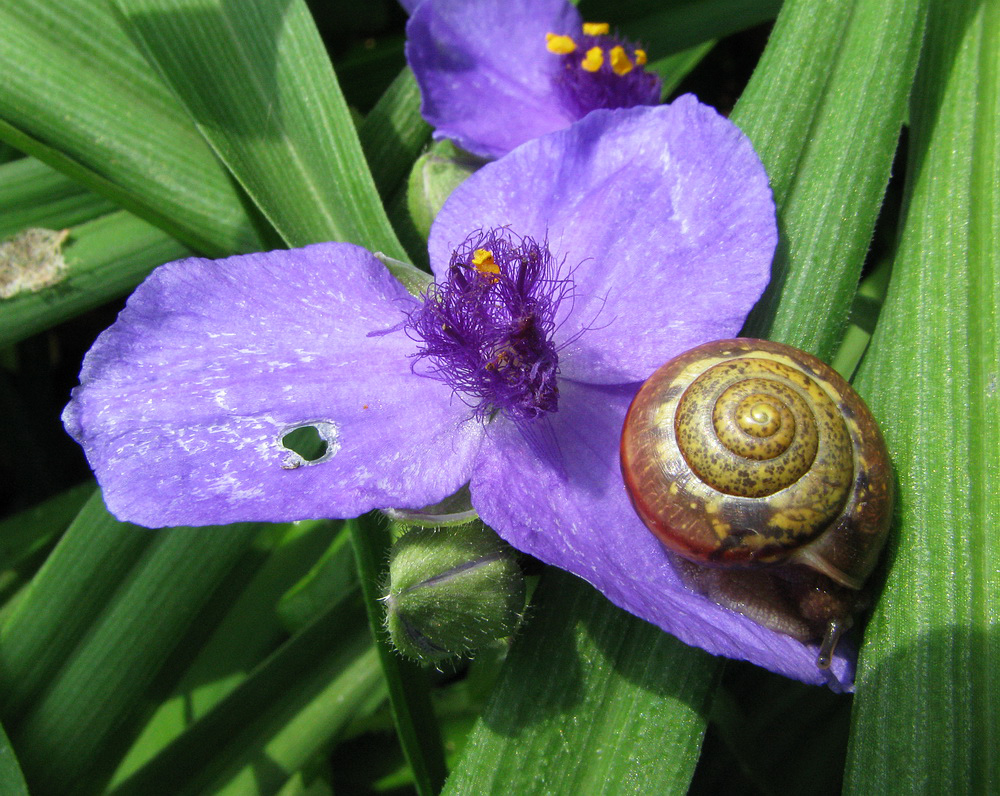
(437, 173)
(451, 591)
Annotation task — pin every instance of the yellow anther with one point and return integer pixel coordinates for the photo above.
(619, 61)
(640, 58)
(593, 59)
(560, 45)
(482, 260)
(596, 28)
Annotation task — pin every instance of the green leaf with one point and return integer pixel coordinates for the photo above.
(64, 736)
(824, 110)
(291, 707)
(24, 533)
(63, 601)
(685, 24)
(591, 700)
(247, 631)
(928, 697)
(105, 259)
(34, 195)
(409, 696)
(394, 133)
(11, 780)
(78, 95)
(28, 535)
(332, 575)
(256, 79)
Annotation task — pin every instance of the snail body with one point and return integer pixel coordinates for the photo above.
(766, 474)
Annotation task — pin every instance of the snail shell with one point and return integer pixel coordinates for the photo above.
(765, 472)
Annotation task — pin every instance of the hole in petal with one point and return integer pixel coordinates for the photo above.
(309, 444)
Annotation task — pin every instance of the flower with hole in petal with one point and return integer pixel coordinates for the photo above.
(496, 73)
(565, 273)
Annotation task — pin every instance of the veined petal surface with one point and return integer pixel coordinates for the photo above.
(185, 400)
(663, 215)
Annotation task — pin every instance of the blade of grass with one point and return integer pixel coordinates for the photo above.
(77, 95)
(413, 712)
(669, 27)
(24, 533)
(394, 133)
(928, 722)
(61, 738)
(257, 81)
(11, 781)
(105, 259)
(247, 632)
(612, 704)
(34, 195)
(63, 601)
(852, 66)
(291, 706)
(26, 537)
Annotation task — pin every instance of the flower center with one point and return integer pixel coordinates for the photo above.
(602, 71)
(487, 329)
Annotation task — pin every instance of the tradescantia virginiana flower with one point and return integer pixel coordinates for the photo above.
(565, 273)
(496, 73)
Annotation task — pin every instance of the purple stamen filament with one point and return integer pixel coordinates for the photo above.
(487, 329)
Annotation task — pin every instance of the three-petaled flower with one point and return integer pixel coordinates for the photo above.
(566, 272)
(496, 73)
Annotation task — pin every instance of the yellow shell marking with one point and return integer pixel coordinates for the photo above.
(759, 428)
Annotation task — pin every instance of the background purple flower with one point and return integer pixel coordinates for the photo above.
(489, 83)
(662, 220)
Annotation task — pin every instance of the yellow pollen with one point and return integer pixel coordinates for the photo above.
(640, 58)
(482, 259)
(596, 28)
(593, 60)
(560, 45)
(619, 61)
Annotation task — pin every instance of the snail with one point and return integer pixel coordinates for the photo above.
(765, 474)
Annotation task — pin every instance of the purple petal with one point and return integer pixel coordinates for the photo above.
(582, 522)
(664, 212)
(184, 401)
(486, 78)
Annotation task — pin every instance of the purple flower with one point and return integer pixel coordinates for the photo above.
(566, 272)
(494, 74)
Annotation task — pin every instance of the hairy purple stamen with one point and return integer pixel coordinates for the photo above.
(583, 91)
(487, 330)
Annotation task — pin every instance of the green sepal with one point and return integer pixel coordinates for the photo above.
(452, 591)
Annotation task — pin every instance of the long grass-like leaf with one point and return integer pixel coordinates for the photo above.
(290, 707)
(824, 110)
(78, 95)
(11, 781)
(409, 697)
(928, 722)
(34, 195)
(247, 632)
(62, 737)
(394, 133)
(105, 258)
(257, 82)
(63, 601)
(591, 701)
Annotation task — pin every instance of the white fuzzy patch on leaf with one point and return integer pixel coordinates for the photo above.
(31, 260)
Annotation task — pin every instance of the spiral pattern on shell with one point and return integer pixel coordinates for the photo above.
(745, 452)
